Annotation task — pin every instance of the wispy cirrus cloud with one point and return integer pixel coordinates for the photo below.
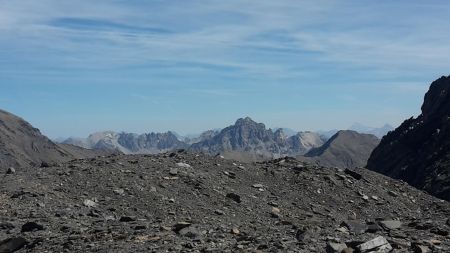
(270, 38)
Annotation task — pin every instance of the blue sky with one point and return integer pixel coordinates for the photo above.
(76, 67)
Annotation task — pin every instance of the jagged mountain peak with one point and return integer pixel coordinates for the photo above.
(418, 151)
(437, 99)
(130, 143)
(255, 140)
(247, 122)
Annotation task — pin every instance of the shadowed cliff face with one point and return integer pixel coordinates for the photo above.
(418, 151)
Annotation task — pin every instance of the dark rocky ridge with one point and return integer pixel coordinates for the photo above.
(345, 149)
(418, 151)
(22, 145)
(187, 202)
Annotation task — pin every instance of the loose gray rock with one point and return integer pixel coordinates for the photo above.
(421, 249)
(119, 191)
(10, 170)
(89, 203)
(333, 247)
(373, 228)
(192, 232)
(31, 226)
(257, 186)
(391, 224)
(180, 225)
(127, 219)
(12, 244)
(353, 174)
(356, 227)
(236, 198)
(378, 244)
(183, 165)
(393, 193)
(173, 171)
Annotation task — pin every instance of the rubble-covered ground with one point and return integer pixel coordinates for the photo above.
(186, 202)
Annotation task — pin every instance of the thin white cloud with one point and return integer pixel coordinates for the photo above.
(328, 28)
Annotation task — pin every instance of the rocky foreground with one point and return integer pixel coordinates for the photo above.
(186, 202)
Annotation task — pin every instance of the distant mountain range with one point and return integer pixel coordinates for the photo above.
(246, 140)
(130, 143)
(23, 145)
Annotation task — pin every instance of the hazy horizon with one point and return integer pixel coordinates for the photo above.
(72, 68)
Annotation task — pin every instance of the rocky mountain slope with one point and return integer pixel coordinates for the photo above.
(22, 145)
(302, 142)
(130, 143)
(418, 151)
(346, 149)
(249, 137)
(183, 202)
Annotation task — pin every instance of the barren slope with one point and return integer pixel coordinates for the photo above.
(346, 149)
(22, 145)
(194, 203)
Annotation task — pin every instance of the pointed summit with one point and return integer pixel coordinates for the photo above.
(245, 121)
(437, 99)
(254, 141)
